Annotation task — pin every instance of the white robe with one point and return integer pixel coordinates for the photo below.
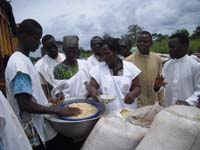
(117, 86)
(75, 86)
(18, 62)
(92, 61)
(11, 131)
(45, 67)
(183, 80)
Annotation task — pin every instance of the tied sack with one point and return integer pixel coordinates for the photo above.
(114, 132)
(175, 128)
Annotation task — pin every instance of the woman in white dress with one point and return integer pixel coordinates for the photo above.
(115, 77)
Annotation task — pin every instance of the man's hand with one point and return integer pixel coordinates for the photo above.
(130, 98)
(159, 82)
(70, 111)
(181, 102)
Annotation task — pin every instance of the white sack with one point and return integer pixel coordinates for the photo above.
(114, 133)
(175, 128)
(144, 116)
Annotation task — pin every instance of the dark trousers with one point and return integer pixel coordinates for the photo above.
(60, 142)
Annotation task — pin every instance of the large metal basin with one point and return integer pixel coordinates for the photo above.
(75, 129)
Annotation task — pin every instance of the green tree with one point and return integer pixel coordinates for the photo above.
(196, 33)
(184, 31)
(132, 31)
(159, 37)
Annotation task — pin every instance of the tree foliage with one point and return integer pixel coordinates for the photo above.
(159, 37)
(132, 31)
(184, 31)
(196, 33)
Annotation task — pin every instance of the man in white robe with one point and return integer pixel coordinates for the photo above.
(182, 73)
(75, 86)
(95, 58)
(72, 72)
(47, 63)
(25, 92)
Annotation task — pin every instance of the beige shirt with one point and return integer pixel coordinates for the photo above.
(151, 66)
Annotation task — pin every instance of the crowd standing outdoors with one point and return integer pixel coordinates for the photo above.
(182, 73)
(136, 80)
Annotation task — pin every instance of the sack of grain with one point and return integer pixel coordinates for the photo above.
(144, 116)
(114, 132)
(175, 128)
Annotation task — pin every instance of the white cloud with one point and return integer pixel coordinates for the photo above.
(87, 18)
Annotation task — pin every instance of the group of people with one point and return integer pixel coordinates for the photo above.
(136, 80)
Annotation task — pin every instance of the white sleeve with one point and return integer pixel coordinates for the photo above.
(193, 100)
(96, 73)
(132, 69)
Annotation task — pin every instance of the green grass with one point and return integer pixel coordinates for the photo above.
(85, 54)
(162, 47)
(195, 46)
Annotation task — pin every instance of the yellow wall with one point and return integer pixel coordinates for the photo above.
(8, 43)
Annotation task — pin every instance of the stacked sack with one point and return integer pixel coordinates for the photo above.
(175, 128)
(121, 130)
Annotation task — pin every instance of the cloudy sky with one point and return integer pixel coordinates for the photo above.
(87, 18)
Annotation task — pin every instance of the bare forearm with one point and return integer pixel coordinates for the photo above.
(28, 105)
(135, 87)
(136, 92)
(93, 88)
(130, 97)
(35, 108)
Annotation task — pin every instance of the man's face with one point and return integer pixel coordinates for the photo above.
(32, 41)
(71, 53)
(143, 43)
(124, 47)
(51, 48)
(176, 49)
(95, 45)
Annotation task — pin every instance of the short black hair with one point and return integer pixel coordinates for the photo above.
(28, 26)
(127, 41)
(95, 37)
(183, 38)
(145, 32)
(113, 43)
(46, 38)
